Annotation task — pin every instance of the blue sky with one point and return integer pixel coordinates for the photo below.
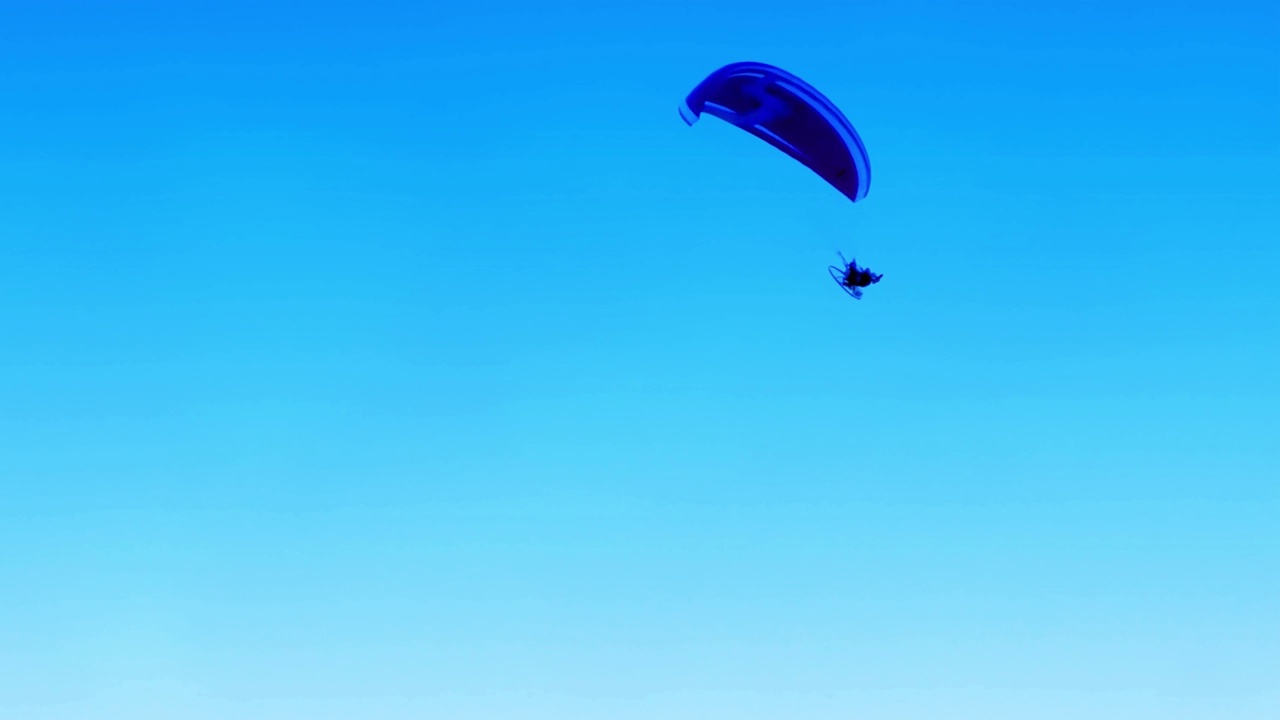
(377, 360)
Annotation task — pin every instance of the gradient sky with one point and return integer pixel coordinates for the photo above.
(366, 360)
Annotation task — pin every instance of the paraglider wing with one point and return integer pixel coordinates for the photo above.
(789, 114)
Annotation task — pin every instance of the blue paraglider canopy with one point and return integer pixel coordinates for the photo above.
(789, 114)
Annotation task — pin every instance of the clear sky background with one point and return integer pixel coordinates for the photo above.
(382, 360)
